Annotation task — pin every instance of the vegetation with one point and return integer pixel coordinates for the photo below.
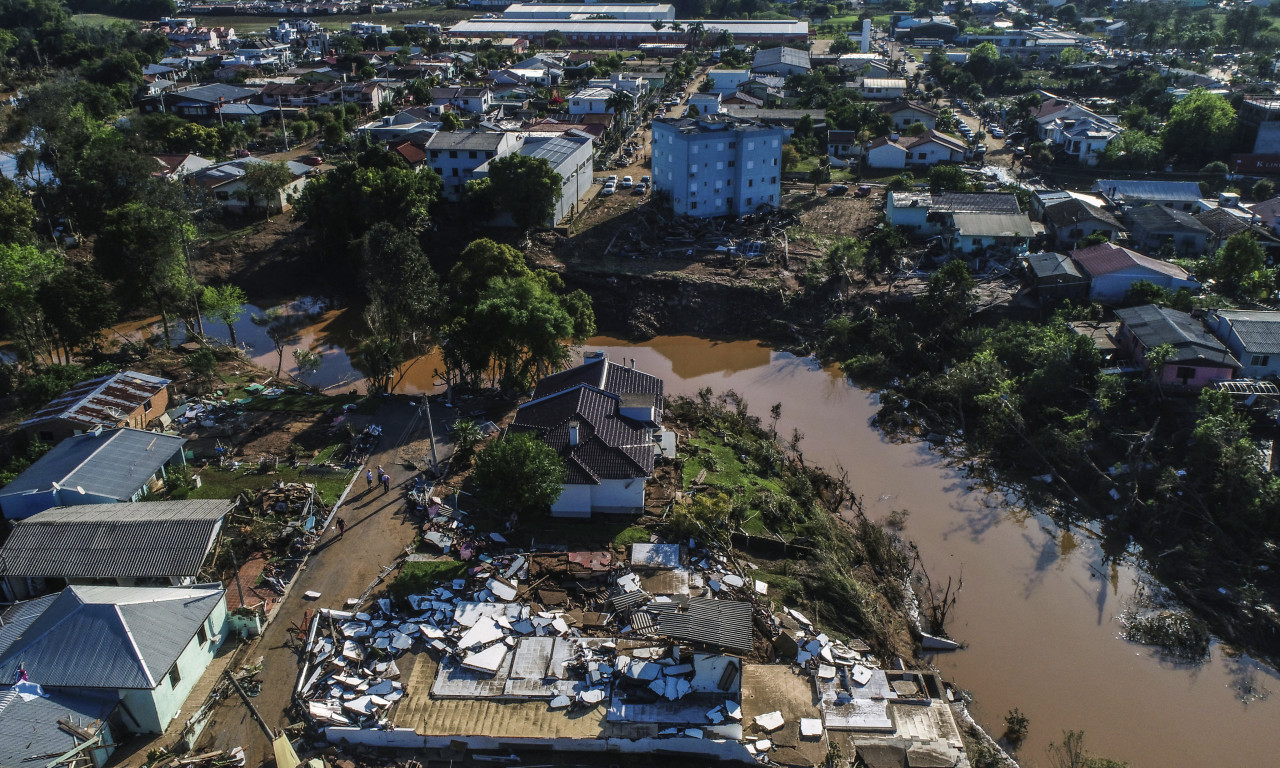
(519, 472)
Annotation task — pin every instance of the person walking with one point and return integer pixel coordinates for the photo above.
(368, 479)
(342, 527)
(386, 483)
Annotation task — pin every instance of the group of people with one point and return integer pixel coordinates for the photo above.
(383, 479)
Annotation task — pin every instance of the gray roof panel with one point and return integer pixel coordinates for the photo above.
(724, 623)
(1153, 326)
(107, 637)
(114, 464)
(1258, 331)
(30, 728)
(130, 540)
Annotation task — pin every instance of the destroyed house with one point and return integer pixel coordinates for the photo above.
(98, 467)
(125, 399)
(144, 647)
(164, 543)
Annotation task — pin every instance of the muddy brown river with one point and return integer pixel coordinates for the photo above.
(1039, 603)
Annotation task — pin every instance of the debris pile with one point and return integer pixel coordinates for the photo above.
(218, 758)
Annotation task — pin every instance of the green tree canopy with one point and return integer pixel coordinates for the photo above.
(520, 472)
(23, 270)
(1199, 128)
(141, 248)
(263, 182)
(948, 178)
(527, 188)
(1134, 150)
(226, 303)
(1239, 267)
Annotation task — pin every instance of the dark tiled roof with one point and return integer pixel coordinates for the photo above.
(1074, 211)
(1052, 265)
(135, 540)
(1154, 326)
(1259, 332)
(609, 446)
(975, 202)
(1221, 223)
(1157, 218)
(903, 104)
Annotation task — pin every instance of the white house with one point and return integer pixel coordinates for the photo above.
(144, 647)
(570, 155)
(905, 113)
(604, 420)
(1252, 336)
(593, 100)
(226, 182)
(727, 81)
(706, 103)
(927, 149)
(781, 61)
(458, 155)
(879, 88)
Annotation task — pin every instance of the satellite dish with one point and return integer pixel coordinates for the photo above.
(80, 490)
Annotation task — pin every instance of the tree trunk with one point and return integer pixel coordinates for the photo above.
(231, 331)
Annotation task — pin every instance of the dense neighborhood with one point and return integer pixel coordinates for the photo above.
(311, 451)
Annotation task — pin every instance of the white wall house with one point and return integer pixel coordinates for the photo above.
(226, 182)
(592, 101)
(1252, 336)
(880, 88)
(604, 421)
(458, 155)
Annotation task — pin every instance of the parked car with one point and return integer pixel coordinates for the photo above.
(837, 189)
(863, 190)
(645, 179)
(640, 189)
(613, 179)
(997, 133)
(1019, 151)
(627, 182)
(313, 160)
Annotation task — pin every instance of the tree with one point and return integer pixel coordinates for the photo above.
(449, 121)
(203, 365)
(281, 328)
(790, 158)
(405, 304)
(343, 204)
(308, 362)
(1134, 150)
(141, 248)
(948, 178)
(521, 472)
(17, 214)
(1215, 176)
(263, 181)
(226, 303)
(527, 188)
(77, 304)
(846, 257)
(1199, 128)
(951, 291)
(1239, 267)
(23, 271)
(1263, 189)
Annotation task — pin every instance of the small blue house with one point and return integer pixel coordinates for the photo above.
(97, 467)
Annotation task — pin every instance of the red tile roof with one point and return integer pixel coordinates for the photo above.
(1105, 258)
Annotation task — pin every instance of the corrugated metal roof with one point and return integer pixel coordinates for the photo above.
(993, 224)
(132, 540)
(1048, 264)
(1105, 258)
(766, 57)
(1182, 191)
(107, 637)
(106, 400)
(114, 464)
(724, 623)
(1258, 331)
(30, 728)
(1153, 326)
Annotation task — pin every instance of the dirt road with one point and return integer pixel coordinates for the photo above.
(378, 530)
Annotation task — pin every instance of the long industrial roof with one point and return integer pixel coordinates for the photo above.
(489, 27)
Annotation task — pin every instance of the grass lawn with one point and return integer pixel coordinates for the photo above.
(632, 535)
(218, 483)
(418, 577)
(725, 469)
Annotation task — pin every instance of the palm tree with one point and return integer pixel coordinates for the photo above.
(864, 138)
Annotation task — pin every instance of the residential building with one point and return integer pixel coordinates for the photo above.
(264, 54)
(406, 122)
(1055, 277)
(591, 101)
(226, 181)
(782, 61)
(469, 99)
(1252, 337)
(627, 11)
(864, 64)
(97, 467)
(603, 420)
(843, 144)
(1181, 195)
(978, 233)
(1083, 141)
(1224, 222)
(717, 165)
(125, 399)
(905, 113)
(131, 544)
(1072, 220)
(1152, 226)
(878, 88)
(31, 724)
(313, 94)
(922, 214)
(1112, 271)
(705, 103)
(726, 81)
(927, 149)
(145, 647)
(571, 157)
(198, 103)
(176, 167)
(1267, 214)
(1198, 358)
(1262, 113)
(629, 33)
(457, 156)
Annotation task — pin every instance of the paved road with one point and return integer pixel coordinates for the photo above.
(378, 530)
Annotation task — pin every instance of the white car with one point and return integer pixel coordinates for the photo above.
(626, 182)
(997, 133)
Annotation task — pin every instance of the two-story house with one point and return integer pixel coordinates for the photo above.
(458, 155)
(1252, 336)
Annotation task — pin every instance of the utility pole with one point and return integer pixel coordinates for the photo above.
(431, 428)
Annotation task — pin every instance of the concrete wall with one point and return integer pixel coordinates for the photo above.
(887, 156)
(154, 709)
(406, 738)
(1264, 365)
(913, 218)
(574, 501)
(618, 494)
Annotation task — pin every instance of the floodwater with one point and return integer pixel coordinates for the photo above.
(1039, 603)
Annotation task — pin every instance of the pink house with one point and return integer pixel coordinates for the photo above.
(1198, 358)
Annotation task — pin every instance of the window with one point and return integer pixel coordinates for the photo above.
(454, 172)
(748, 202)
(472, 154)
(222, 195)
(1260, 360)
(201, 635)
(175, 676)
(719, 165)
(453, 153)
(733, 145)
(1186, 372)
(693, 206)
(922, 156)
(733, 163)
(150, 404)
(751, 145)
(45, 436)
(751, 164)
(773, 179)
(751, 182)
